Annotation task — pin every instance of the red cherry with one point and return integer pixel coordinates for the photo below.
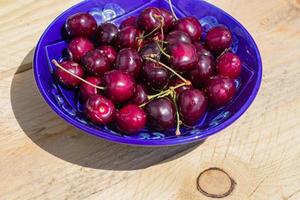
(140, 95)
(169, 19)
(130, 119)
(109, 52)
(218, 39)
(87, 90)
(99, 109)
(128, 37)
(130, 21)
(191, 26)
(106, 33)
(81, 25)
(78, 47)
(95, 62)
(229, 65)
(67, 79)
(119, 86)
(151, 49)
(220, 90)
(149, 19)
(178, 36)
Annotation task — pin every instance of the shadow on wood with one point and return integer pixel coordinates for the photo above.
(57, 137)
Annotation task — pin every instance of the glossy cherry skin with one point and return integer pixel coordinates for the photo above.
(106, 33)
(192, 105)
(155, 76)
(81, 25)
(151, 49)
(131, 119)
(169, 19)
(218, 39)
(201, 50)
(99, 109)
(119, 86)
(87, 90)
(130, 61)
(149, 20)
(220, 90)
(95, 62)
(109, 52)
(203, 71)
(229, 65)
(130, 21)
(128, 37)
(191, 26)
(178, 36)
(65, 78)
(183, 56)
(78, 47)
(140, 95)
(177, 81)
(161, 114)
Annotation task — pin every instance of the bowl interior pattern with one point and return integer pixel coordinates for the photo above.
(65, 102)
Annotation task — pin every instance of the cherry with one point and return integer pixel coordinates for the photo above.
(161, 114)
(229, 65)
(191, 26)
(81, 25)
(169, 19)
(109, 52)
(78, 47)
(106, 33)
(128, 37)
(130, 21)
(220, 90)
(149, 19)
(183, 56)
(119, 86)
(152, 50)
(66, 78)
(131, 119)
(95, 62)
(140, 95)
(99, 109)
(176, 81)
(87, 90)
(203, 71)
(178, 36)
(218, 39)
(130, 61)
(155, 76)
(192, 105)
(201, 50)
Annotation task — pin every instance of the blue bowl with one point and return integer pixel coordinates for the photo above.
(65, 102)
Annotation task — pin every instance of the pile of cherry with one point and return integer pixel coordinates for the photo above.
(154, 70)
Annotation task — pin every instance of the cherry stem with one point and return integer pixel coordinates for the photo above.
(170, 69)
(178, 122)
(225, 51)
(163, 52)
(171, 7)
(74, 75)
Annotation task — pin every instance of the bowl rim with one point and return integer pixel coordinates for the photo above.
(139, 142)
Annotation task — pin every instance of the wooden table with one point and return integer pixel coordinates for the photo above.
(42, 157)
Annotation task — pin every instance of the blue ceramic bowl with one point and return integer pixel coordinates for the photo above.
(65, 102)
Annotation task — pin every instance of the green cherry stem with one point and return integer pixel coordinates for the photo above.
(163, 52)
(178, 121)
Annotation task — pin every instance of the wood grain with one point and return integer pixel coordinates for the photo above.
(42, 157)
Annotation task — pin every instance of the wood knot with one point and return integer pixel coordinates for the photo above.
(215, 183)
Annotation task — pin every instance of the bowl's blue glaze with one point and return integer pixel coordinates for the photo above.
(65, 102)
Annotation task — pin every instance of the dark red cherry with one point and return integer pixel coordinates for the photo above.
(81, 25)
(95, 62)
(218, 39)
(130, 21)
(183, 56)
(161, 114)
(128, 37)
(150, 19)
(109, 52)
(229, 65)
(99, 109)
(130, 119)
(78, 47)
(140, 95)
(191, 26)
(220, 90)
(169, 19)
(177, 81)
(87, 90)
(203, 71)
(201, 50)
(151, 50)
(119, 86)
(178, 36)
(130, 61)
(155, 76)
(106, 33)
(192, 105)
(67, 79)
